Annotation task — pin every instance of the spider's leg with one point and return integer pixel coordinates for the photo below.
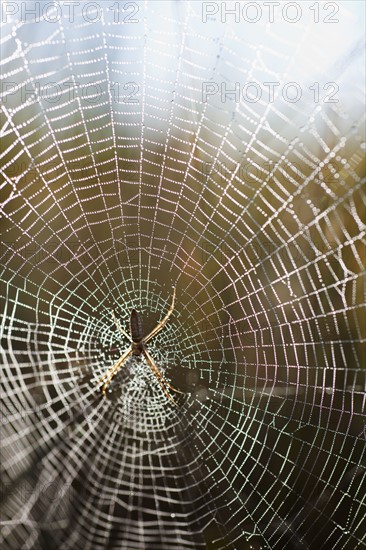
(159, 376)
(120, 327)
(114, 369)
(117, 365)
(160, 325)
(158, 373)
(167, 383)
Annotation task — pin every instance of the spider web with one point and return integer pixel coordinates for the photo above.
(127, 170)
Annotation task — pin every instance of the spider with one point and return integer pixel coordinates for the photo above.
(138, 347)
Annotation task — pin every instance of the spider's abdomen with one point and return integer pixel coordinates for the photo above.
(136, 327)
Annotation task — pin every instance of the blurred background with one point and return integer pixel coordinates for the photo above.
(214, 146)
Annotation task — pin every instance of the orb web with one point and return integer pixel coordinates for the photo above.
(128, 167)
